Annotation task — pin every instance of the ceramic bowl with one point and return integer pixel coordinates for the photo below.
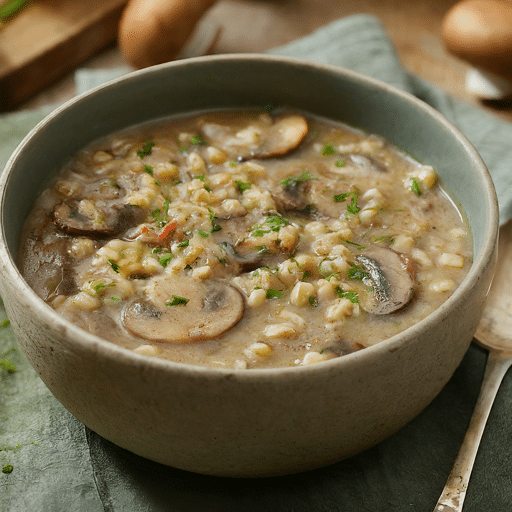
(237, 422)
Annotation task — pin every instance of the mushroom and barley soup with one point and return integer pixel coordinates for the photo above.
(245, 239)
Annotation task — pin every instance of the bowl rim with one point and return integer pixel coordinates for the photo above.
(57, 323)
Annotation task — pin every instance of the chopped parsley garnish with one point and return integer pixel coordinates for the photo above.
(415, 186)
(273, 294)
(177, 301)
(355, 244)
(271, 223)
(306, 275)
(330, 276)
(242, 186)
(160, 216)
(328, 150)
(292, 181)
(357, 272)
(148, 169)
(5, 323)
(215, 227)
(7, 469)
(340, 163)
(197, 139)
(384, 238)
(146, 150)
(184, 243)
(7, 365)
(165, 259)
(99, 286)
(202, 233)
(114, 265)
(352, 208)
(313, 301)
(351, 296)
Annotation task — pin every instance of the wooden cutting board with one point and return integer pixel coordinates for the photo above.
(48, 39)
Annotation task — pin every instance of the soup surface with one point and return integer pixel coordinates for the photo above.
(245, 239)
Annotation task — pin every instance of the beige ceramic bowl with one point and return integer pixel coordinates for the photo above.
(256, 422)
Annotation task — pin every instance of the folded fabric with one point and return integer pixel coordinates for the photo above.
(60, 465)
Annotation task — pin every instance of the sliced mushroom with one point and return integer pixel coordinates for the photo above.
(49, 269)
(292, 197)
(283, 136)
(367, 163)
(278, 139)
(392, 280)
(183, 309)
(115, 220)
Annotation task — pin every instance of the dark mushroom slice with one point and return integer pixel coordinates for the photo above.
(292, 197)
(49, 269)
(246, 259)
(115, 220)
(368, 163)
(182, 309)
(391, 278)
(283, 136)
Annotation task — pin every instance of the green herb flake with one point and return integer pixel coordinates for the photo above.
(165, 259)
(384, 238)
(271, 223)
(358, 273)
(415, 186)
(198, 140)
(148, 169)
(7, 365)
(177, 301)
(340, 163)
(184, 243)
(328, 150)
(273, 294)
(351, 296)
(99, 287)
(352, 208)
(306, 275)
(114, 265)
(292, 181)
(242, 186)
(147, 149)
(202, 234)
(7, 469)
(313, 301)
(9, 9)
(5, 323)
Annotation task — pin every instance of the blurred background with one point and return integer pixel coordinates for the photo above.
(46, 40)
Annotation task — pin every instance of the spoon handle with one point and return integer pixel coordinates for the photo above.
(452, 497)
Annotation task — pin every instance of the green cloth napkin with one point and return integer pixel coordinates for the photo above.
(59, 465)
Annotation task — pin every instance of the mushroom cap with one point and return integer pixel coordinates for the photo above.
(282, 137)
(277, 139)
(392, 280)
(183, 309)
(116, 219)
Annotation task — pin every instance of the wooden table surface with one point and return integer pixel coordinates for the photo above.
(257, 25)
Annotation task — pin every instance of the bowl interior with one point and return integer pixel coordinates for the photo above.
(249, 80)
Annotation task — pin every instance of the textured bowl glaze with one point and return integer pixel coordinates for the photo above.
(239, 422)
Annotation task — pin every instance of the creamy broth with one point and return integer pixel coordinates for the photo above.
(245, 239)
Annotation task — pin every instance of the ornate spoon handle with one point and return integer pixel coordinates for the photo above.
(452, 498)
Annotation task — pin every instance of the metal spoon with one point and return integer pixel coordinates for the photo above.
(495, 334)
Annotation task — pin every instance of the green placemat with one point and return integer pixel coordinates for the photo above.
(59, 465)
